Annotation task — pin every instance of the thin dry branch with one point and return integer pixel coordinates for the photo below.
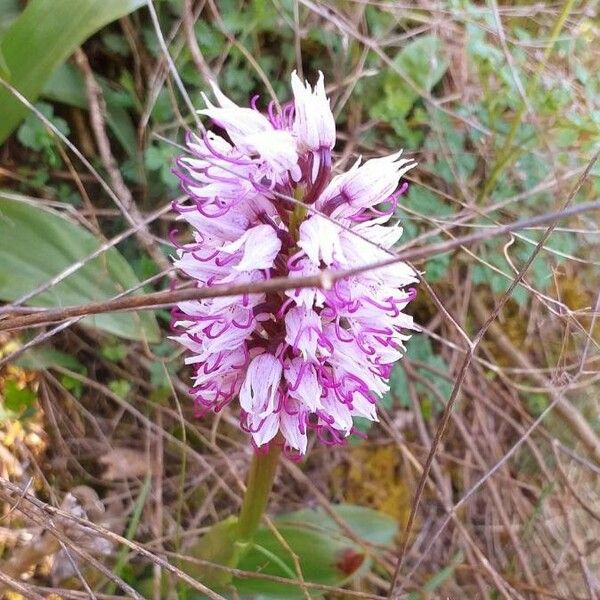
(53, 511)
(572, 417)
(395, 589)
(97, 107)
(324, 280)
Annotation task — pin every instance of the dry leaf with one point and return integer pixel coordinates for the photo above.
(124, 463)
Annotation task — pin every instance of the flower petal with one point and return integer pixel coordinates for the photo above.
(314, 124)
(260, 246)
(303, 384)
(319, 238)
(293, 430)
(259, 391)
(303, 327)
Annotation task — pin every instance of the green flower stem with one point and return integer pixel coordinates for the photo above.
(258, 488)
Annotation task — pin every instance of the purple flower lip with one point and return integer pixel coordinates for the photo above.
(264, 203)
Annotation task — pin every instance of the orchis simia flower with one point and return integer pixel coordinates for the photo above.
(264, 203)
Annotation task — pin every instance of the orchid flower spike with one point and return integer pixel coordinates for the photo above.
(264, 204)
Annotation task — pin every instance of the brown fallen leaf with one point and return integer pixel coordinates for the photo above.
(124, 463)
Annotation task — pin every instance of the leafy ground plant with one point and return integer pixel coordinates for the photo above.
(480, 478)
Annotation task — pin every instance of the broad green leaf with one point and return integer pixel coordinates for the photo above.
(423, 63)
(4, 70)
(45, 34)
(15, 398)
(66, 86)
(326, 556)
(368, 524)
(37, 244)
(323, 559)
(46, 356)
(218, 545)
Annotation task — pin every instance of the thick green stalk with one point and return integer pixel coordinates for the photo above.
(258, 488)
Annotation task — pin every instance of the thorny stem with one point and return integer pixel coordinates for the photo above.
(259, 485)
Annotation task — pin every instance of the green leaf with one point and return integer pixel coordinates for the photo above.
(368, 524)
(218, 545)
(536, 403)
(44, 357)
(326, 556)
(75, 386)
(45, 34)
(120, 387)
(66, 86)
(4, 70)
(17, 399)
(323, 559)
(114, 352)
(422, 62)
(159, 157)
(425, 202)
(38, 243)
(34, 134)
(420, 349)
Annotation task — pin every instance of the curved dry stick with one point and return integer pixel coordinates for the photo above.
(574, 419)
(53, 511)
(394, 589)
(19, 586)
(324, 280)
(97, 105)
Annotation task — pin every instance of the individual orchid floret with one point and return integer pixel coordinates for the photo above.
(263, 204)
(364, 186)
(314, 125)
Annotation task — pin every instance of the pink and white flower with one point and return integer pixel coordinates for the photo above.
(300, 360)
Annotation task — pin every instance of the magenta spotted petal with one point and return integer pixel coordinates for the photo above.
(299, 360)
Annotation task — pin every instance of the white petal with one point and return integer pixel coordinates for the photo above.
(361, 407)
(319, 238)
(307, 390)
(260, 247)
(290, 428)
(366, 185)
(267, 430)
(259, 391)
(314, 124)
(342, 418)
(237, 121)
(276, 148)
(302, 327)
(306, 296)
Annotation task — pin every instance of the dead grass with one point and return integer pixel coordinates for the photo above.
(503, 489)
